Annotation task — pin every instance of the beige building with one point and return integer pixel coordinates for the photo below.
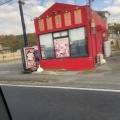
(4, 49)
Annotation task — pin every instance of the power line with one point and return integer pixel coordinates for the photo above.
(111, 5)
(89, 1)
(5, 2)
(75, 2)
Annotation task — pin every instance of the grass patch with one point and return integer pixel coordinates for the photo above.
(87, 71)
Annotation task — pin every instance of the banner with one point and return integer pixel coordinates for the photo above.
(62, 47)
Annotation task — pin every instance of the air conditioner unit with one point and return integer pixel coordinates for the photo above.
(100, 59)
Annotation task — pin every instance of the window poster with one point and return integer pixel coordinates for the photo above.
(62, 47)
(77, 16)
(67, 19)
(49, 23)
(43, 52)
(41, 25)
(58, 22)
(29, 57)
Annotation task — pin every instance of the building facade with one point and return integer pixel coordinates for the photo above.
(69, 37)
(4, 49)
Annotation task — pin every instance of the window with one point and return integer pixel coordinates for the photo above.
(60, 34)
(78, 43)
(64, 44)
(46, 43)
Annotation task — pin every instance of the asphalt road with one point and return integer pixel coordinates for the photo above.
(46, 103)
(13, 65)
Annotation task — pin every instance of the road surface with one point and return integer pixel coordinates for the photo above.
(56, 103)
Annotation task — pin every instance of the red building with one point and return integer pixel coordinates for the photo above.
(69, 37)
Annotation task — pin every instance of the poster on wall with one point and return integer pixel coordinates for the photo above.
(67, 19)
(49, 23)
(58, 21)
(43, 52)
(62, 47)
(41, 25)
(77, 16)
(29, 57)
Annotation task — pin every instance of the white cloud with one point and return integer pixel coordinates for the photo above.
(49, 3)
(116, 2)
(114, 11)
(71, 2)
(10, 21)
(107, 1)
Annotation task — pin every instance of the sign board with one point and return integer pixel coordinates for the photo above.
(29, 57)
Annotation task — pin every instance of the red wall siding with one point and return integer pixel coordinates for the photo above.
(71, 10)
(69, 63)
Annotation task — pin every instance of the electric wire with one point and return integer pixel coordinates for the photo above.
(75, 1)
(111, 5)
(5, 2)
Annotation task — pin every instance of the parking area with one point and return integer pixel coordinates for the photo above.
(103, 76)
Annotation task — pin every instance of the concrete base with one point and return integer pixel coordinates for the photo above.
(26, 71)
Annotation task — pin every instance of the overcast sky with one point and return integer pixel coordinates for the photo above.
(10, 22)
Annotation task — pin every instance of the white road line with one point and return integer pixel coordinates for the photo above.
(67, 88)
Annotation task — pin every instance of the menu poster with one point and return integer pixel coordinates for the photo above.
(77, 16)
(67, 19)
(49, 23)
(62, 49)
(41, 25)
(29, 57)
(58, 21)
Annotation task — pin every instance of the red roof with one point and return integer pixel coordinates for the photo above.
(58, 7)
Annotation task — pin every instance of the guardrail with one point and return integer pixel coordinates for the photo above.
(10, 56)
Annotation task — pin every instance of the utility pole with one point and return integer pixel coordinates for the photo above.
(21, 2)
(89, 4)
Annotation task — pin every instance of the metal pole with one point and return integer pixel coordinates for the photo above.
(23, 24)
(90, 9)
(90, 20)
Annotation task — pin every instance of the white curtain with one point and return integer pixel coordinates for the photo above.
(46, 39)
(77, 34)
